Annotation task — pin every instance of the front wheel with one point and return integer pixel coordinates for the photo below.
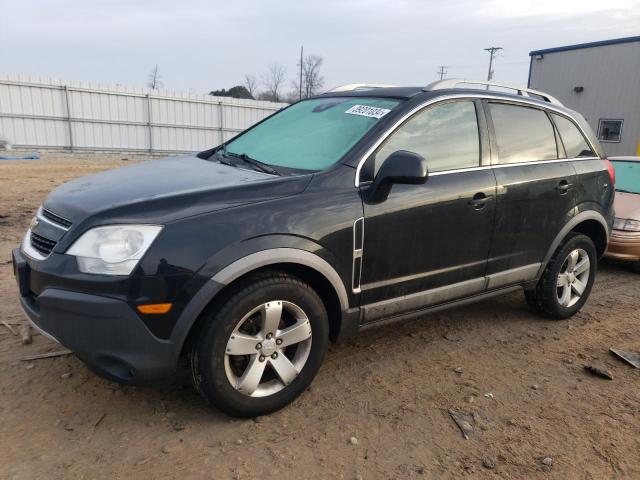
(262, 348)
(567, 279)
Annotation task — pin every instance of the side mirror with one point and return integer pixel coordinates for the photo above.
(400, 167)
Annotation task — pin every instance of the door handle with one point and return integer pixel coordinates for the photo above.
(479, 200)
(563, 187)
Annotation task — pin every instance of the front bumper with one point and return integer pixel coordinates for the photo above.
(624, 246)
(105, 333)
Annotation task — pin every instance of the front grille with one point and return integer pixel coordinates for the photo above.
(56, 218)
(42, 244)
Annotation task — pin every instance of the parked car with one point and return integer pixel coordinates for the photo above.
(338, 213)
(625, 237)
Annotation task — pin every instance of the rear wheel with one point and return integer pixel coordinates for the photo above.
(261, 348)
(567, 280)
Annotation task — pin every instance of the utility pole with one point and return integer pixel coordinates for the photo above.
(442, 72)
(492, 53)
(300, 91)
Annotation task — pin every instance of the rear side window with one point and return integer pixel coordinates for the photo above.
(574, 143)
(523, 134)
(446, 135)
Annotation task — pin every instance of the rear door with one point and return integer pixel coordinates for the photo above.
(535, 194)
(429, 243)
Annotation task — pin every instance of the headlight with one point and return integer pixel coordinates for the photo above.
(627, 225)
(113, 250)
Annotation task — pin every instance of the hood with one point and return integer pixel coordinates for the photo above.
(165, 190)
(627, 205)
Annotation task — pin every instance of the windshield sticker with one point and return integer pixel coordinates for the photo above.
(366, 111)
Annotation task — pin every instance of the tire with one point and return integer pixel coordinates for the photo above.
(226, 359)
(549, 297)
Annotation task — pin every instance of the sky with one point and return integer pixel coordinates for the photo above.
(207, 45)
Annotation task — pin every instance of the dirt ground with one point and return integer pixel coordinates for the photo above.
(521, 378)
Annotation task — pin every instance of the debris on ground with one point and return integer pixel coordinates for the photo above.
(548, 461)
(9, 327)
(489, 463)
(25, 333)
(353, 441)
(39, 356)
(599, 372)
(64, 376)
(488, 395)
(452, 336)
(458, 369)
(99, 420)
(464, 422)
(535, 387)
(33, 156)
(632, 358)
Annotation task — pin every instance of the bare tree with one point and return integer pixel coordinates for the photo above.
(273, 81)
(251, 84)
(155, 79)
(312, 81)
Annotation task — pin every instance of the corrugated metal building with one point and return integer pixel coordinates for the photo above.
(601, 80)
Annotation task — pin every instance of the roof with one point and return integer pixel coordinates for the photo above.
(579, 46)
(385, 92)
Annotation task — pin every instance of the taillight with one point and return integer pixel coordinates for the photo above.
(612, 171)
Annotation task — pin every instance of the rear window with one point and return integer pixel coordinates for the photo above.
(574, 143)
(523, 134)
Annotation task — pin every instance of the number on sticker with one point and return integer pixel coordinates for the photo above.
(366, 111)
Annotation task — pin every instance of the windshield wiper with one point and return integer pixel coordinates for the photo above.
(256, 164)
(221, 152)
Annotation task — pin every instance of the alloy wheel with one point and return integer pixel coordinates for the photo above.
(268, 348)
(573, 277)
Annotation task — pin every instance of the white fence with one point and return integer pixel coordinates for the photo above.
(49, 114)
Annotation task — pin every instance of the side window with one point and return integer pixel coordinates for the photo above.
(610, 130)
(523, 134)
(446, 135)
(574, 143)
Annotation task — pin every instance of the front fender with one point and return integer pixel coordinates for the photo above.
(229, 265)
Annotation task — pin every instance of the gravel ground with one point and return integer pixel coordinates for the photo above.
(379, 407)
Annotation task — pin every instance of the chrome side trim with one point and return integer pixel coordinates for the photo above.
(460, 170)
(28, 250)
(540, 162)
(513, 275)
(272, 256)
(356, 276)
(460, 96)
(416, 301)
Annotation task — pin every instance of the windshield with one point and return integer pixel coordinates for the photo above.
(627, 176)
(312, 134)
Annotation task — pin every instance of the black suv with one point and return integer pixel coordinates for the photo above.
(339, 212)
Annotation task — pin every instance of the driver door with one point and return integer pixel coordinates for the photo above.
(428, 244)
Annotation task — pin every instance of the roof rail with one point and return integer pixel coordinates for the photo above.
(354, 87)
(523, 91)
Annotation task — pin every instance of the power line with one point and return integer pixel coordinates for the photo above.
(492, 52)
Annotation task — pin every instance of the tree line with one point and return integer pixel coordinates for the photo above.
(272, 84)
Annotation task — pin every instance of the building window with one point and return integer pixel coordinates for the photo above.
(610, 130)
